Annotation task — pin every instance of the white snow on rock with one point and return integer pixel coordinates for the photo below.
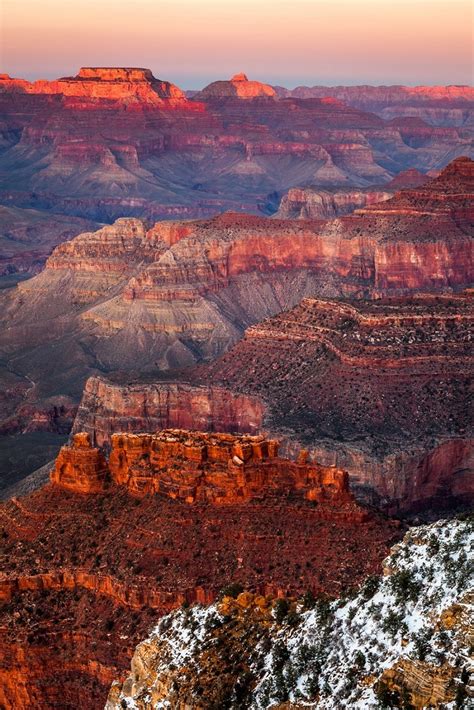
(336, 646)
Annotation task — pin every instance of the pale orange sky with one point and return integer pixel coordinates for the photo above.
(192, 42)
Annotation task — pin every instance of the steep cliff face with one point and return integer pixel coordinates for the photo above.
(107, 407)
(309, 203)
(403, 640)
(123, 560)
(377, 387)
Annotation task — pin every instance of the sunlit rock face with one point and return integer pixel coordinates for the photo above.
(237, 87)
(114, 83)
(199, 467)
(91, 560)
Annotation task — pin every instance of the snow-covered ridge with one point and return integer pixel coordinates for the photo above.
(402, 641)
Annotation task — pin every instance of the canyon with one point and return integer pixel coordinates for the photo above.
(440, 105)
(115, 142)
(235, 364)
(139, 303)
(379, 388)
(169, 520)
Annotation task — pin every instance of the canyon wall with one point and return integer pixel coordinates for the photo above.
(135, 300)
(439, 105)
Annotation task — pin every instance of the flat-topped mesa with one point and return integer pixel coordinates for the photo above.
(115, 74)
(238, 87)
(110, 83)
(200, 467)
(80, 467)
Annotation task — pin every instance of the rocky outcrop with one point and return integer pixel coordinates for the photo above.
(102, 83)
(199, 467)
(310, 203)
(388, 645)
(80, 467)
(237, 87)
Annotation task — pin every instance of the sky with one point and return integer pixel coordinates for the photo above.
(286, 42)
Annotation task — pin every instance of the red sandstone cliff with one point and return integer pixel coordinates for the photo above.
(364, 386)
(108, 407)
(125, 560)
(122, 84)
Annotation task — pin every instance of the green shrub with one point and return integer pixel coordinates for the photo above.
(281, 609)
(232, 590)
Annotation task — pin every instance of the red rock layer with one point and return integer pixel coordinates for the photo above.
(107, 407)
(198, 467)
(381, 388)
(123, 84)
(80, 468)
(84, 576)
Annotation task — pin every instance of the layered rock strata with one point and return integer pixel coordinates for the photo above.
(380, 387)
(310, 203)
(134, 299)
(123, 560)
(237, 87)
(114, 142)
(198, 467)
(439, 105)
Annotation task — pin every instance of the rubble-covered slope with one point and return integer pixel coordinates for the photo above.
(402, 641)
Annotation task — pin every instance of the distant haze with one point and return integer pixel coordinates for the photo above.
(193, 42)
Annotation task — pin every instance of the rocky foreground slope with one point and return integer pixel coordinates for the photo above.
(402, 641)
(89, 562)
